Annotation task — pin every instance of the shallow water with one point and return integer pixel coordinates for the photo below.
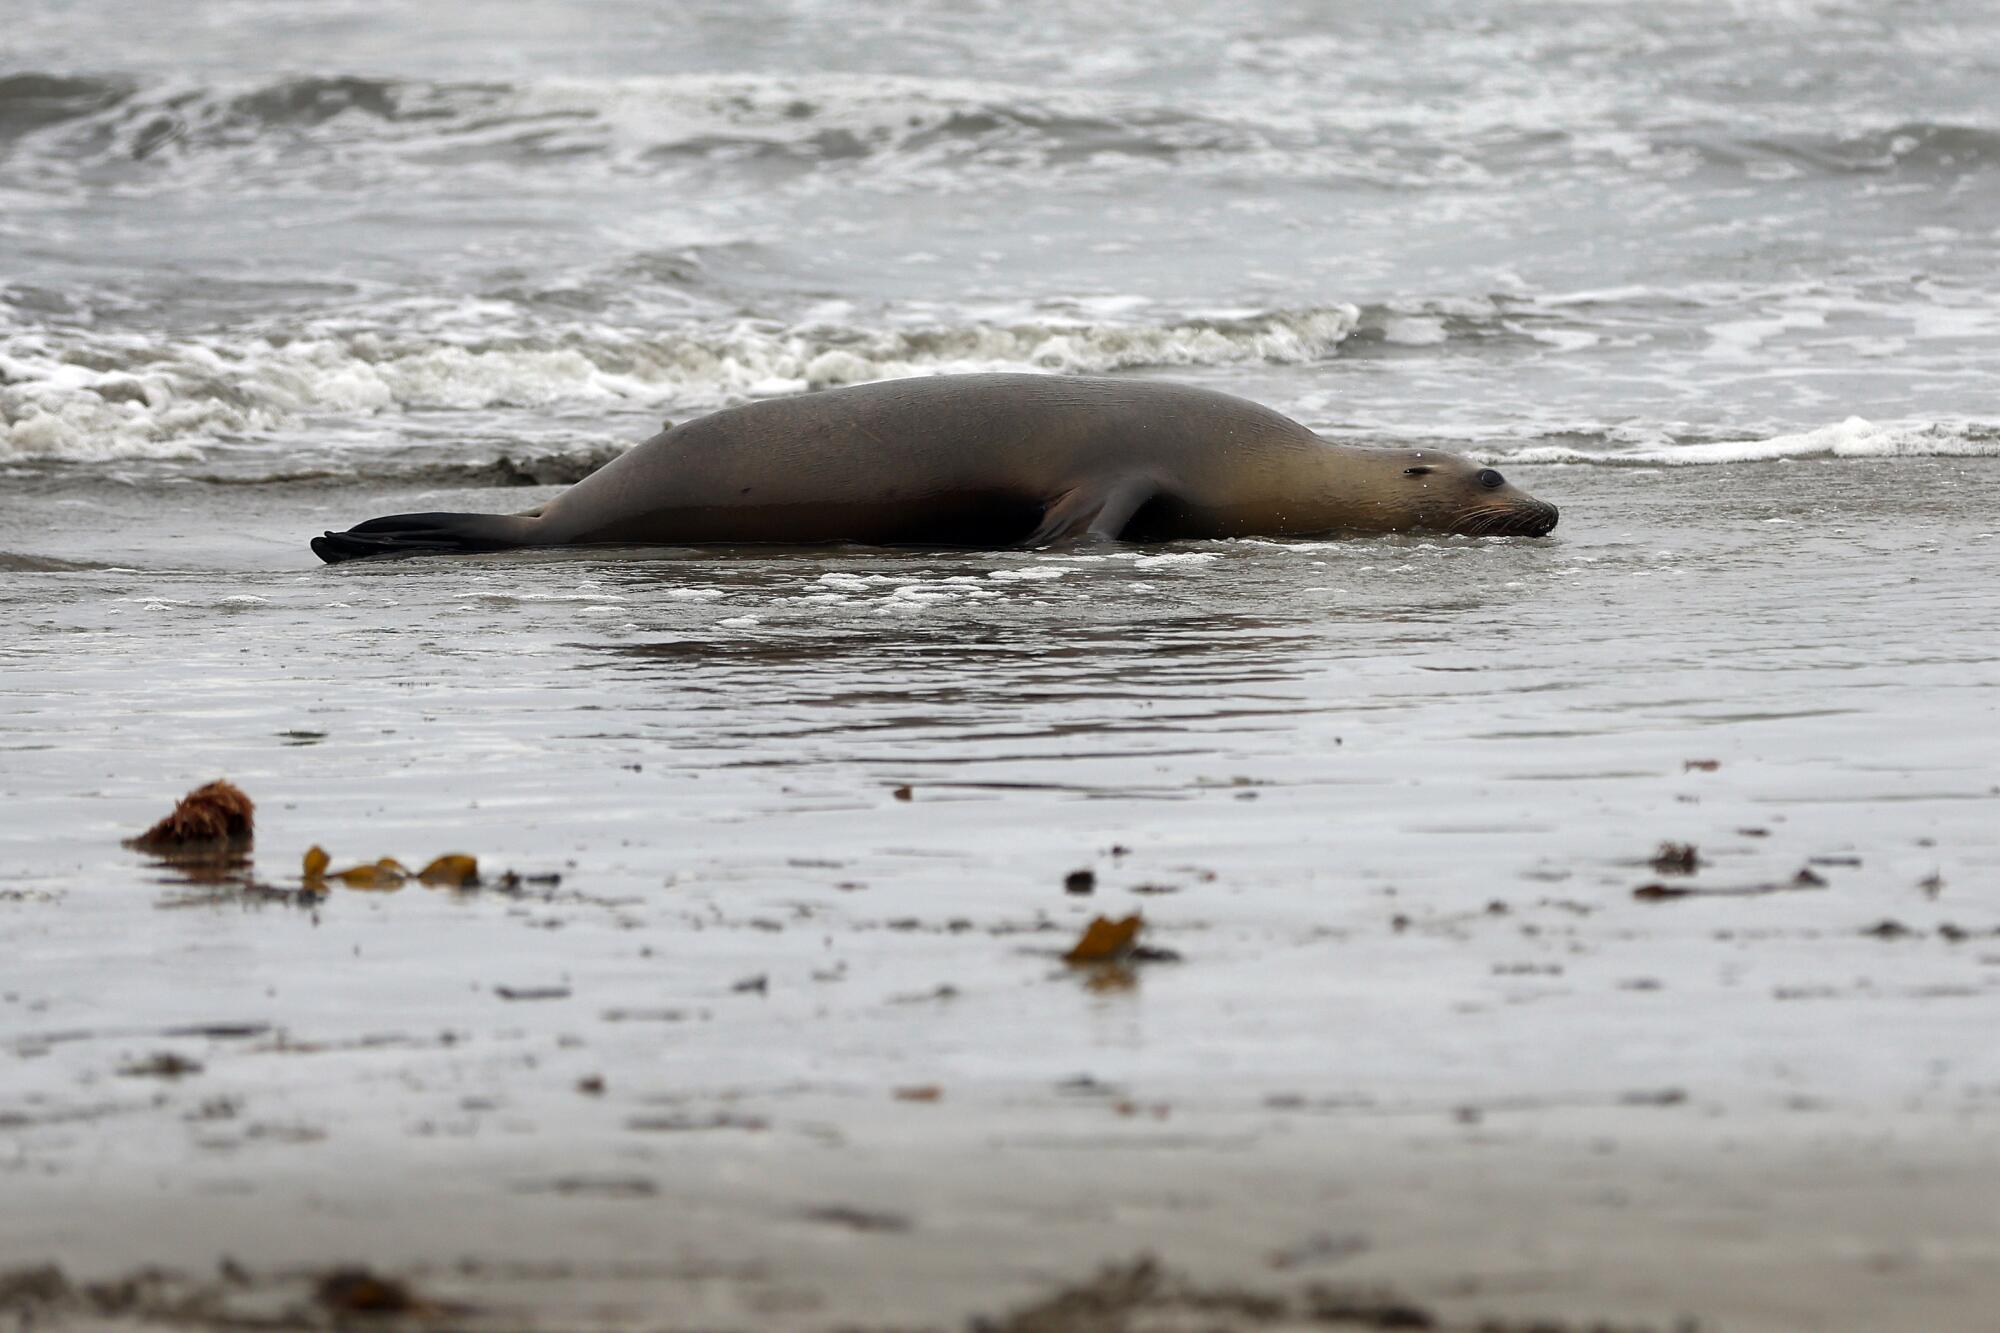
(1304, 740)
(1388, 800)
(279, 268)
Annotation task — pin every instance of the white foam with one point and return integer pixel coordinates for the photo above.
(1563, 340)
(1413, 332)
(1032, 574)
(858, 581)
(918, 594)
(1177, 560)
(1852, 438)
(169, 398)
(1742, 339)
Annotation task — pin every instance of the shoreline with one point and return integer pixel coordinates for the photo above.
(1628, 1219)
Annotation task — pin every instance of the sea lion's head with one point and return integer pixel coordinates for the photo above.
(1447, 493)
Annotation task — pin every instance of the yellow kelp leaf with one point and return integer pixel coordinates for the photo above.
(316, 861)
(1104, 940)
(387, 873)
(454, 870)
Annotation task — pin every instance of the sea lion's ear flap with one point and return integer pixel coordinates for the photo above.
(1093, 511)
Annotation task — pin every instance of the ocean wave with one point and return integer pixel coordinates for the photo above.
(29, 102)
(82, 396)
(59, 129)
(907, 133)
(1917, 148)
(485, 468)
(1852, 438)
(1488, 321)
(17, 562)
(895, 133)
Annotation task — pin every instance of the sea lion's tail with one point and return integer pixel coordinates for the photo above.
(421, 534)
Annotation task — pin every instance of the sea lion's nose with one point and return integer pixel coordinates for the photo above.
(1545, 520)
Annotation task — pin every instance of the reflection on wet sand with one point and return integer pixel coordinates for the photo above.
(1112, 675)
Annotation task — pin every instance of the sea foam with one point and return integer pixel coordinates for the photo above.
(78, 396)
(1853, 438)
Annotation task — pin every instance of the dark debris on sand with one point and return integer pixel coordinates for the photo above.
(358, 1291)
(44, 1296)
(1144, 1297)
(1676, 858)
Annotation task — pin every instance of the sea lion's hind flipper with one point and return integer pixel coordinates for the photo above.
(1093, 511)
(420, 534)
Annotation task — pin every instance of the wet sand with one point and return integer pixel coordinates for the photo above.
(1538, 1217)
(1388, 802)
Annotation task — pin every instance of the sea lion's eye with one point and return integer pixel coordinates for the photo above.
(1490, 479)
(1421, 470)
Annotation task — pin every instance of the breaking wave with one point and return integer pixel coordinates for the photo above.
(1852, 438)
(62, 128)
(85, 396)
(57, 131)
(1918, 148)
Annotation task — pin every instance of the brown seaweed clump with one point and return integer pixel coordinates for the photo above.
(357, 1291)
(217, 815)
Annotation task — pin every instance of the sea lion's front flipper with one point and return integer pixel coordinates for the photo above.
(1093, 511)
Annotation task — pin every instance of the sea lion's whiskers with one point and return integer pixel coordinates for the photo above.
(1510, 521)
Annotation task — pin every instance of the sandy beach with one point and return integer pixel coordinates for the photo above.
(1590, 933)
(783, 1047)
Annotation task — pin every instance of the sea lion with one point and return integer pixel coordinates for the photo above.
(985, 461)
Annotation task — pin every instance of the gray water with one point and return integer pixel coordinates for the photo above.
(271, 238)
(1723, 281)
